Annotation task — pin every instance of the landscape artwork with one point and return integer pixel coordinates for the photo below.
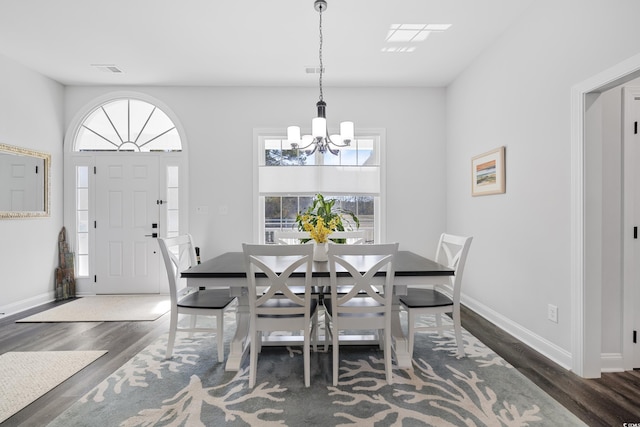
(488, 173)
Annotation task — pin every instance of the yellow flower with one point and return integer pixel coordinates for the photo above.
(322, 218)
(318, 232)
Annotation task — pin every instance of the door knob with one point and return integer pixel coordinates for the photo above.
(153, 235)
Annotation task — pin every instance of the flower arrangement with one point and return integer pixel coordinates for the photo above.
(318, 232)
(323, 218)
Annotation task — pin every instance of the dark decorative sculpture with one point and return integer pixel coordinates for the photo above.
(65, 286)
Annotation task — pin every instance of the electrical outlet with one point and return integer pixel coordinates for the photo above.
(552, 313)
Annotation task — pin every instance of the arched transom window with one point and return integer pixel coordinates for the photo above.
(128, 125)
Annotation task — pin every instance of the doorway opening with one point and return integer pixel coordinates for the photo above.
(586, 232)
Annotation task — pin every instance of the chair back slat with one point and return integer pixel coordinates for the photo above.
(377, 258)
(363, 283)
(452, 251)
(178, 254)
(289, 259)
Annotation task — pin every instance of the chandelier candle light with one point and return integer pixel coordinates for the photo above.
(319, 138)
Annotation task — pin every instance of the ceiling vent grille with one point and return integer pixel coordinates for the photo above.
(107, 68)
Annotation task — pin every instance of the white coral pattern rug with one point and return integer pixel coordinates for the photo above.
(193, 389)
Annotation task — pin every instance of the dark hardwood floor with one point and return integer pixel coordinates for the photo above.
(609, 401)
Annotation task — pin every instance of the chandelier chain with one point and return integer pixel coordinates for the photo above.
(320, 55)
(320, 139)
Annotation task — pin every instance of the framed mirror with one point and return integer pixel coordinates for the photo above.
(24, 182)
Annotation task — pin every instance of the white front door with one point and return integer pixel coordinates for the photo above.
(127, 255)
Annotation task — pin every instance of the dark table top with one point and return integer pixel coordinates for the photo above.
(231, 264)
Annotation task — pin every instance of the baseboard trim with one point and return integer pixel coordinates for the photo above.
(612, 362)
(557, 354)
(25, 304)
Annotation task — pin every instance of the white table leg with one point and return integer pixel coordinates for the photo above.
(239, 344)
(400, 343)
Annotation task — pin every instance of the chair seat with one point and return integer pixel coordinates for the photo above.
(359, 302)
(286, 303)
(417, 298)
(210, 298)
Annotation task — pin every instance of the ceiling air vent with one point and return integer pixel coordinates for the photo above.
(107, 68)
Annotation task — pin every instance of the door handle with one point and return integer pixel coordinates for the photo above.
(152, 235)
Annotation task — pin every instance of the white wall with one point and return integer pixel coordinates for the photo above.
(31, 109)
(219, 124)
(517, 94)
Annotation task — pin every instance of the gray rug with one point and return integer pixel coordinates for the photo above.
(193, 389)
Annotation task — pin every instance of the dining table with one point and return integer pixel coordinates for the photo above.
(228, 271)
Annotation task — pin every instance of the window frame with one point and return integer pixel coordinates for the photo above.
(260, 135)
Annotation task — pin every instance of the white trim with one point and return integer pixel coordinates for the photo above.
(585, 359)
(557, 354)
(84, 111)
(612, 362)
(26, 304)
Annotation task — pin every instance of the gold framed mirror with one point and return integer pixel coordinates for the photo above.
(24, 182)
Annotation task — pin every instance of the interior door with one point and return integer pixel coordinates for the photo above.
(635, 286)
(127, 224)
(631, 289)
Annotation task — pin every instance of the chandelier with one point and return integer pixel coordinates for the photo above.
(320, 139)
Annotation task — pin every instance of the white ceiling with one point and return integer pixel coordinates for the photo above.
(247, 42)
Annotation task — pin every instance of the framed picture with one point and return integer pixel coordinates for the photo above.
(487, 173)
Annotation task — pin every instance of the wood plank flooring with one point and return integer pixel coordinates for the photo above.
(608, 401)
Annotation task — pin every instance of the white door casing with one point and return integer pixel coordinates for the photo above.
(127, 255)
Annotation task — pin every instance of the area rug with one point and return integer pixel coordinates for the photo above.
(107, 308)
(193, 389)
(25, 376)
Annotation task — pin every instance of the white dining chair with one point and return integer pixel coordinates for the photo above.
(364, 306)
(273, 305)
(439, 299)
(179, 254)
